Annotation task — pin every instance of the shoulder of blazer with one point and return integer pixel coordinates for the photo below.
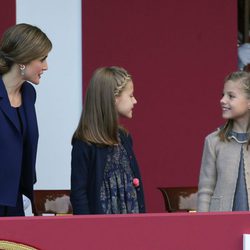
(85, 147)
(125, 136)
(29, 91)
(91, 152)
(81, 143)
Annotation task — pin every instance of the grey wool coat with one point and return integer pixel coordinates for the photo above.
(219, 173)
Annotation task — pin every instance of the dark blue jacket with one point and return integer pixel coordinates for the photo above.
(87, 169)
(17, 150)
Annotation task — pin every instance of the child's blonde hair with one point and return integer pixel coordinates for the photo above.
(99, 120)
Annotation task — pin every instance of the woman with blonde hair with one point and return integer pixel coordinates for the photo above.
(23, 59)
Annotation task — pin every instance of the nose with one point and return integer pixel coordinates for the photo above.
(223, 100)
(135, 101)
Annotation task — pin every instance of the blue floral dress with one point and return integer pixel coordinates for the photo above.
(118, 194)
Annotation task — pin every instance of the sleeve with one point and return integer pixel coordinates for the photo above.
(80, 161)
(208, 176)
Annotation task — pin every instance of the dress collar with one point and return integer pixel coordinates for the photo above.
(239, 137)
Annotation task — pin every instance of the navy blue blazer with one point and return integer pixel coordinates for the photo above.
(87, 170)
(17, 149)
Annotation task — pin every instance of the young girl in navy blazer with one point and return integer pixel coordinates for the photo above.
(105, 177)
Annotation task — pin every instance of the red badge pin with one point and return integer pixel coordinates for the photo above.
(136, 182)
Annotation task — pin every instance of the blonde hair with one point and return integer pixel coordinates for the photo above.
(99, 120)
(21, 44)
(243, 78)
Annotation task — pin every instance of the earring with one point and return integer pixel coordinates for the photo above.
(22, 69)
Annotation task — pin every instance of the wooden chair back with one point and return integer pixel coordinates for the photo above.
(247, 68)
(179, 199)
(51, 202)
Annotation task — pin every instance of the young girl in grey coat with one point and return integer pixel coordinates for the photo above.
(224, 183)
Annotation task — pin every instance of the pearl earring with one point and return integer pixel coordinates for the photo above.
(22, 69)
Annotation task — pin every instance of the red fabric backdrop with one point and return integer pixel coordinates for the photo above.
(8, 14)
(178, 53)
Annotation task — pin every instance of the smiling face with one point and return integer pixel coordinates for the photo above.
(234, 102)
(126, 101)
(35, 69)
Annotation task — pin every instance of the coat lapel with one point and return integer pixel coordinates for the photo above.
(6, 107)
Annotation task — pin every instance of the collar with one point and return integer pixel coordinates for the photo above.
(239, 137)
